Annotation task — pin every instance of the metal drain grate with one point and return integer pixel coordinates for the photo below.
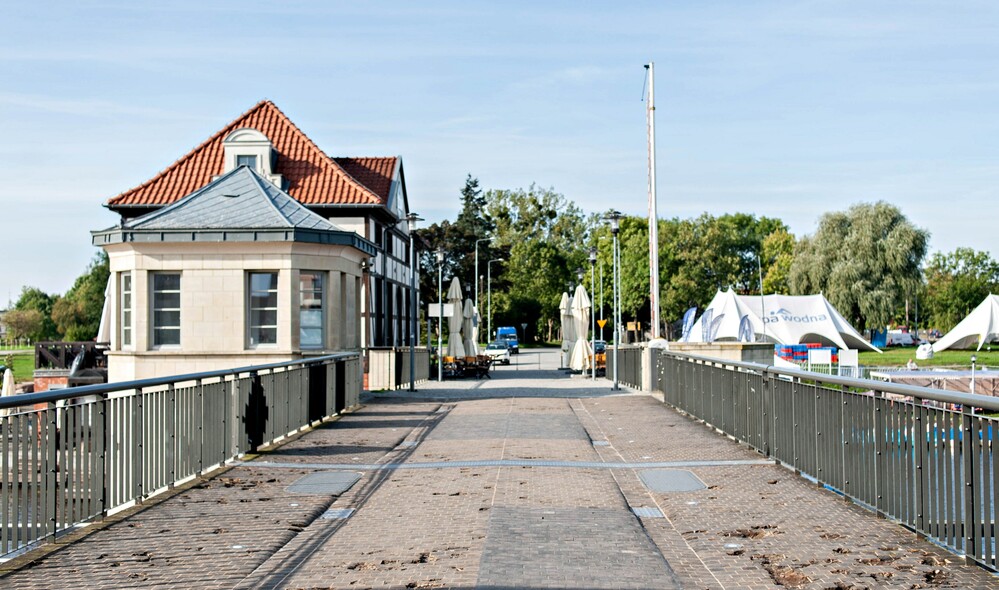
(337, 514)
(327, 483)
(671, 480)
(647, 512)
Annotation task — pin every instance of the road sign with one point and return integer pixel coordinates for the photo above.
(601, 323)
(433, 310)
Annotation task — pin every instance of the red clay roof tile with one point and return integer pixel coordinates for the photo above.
(312, 177)
(374, 173)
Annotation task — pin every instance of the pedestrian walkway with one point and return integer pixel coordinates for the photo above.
(531, 479)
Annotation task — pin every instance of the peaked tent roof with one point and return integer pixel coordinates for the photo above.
(790, 319)
(240, 201)
(728, 311)
(794, 319)
(313, 177)
(981, 325)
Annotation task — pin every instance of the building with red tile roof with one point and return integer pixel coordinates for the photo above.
(366, 195)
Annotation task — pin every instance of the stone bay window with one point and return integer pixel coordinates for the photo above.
(236, 273)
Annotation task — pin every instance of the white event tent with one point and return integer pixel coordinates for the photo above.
(784, 319)
(981, 326)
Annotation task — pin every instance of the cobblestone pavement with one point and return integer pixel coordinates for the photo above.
(531, 479)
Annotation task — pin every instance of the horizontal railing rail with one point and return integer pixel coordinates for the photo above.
(74, 455)
(924, 457)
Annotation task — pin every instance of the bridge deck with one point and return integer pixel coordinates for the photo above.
(532, 479)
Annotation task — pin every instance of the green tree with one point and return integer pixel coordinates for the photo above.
(77, 314)
(543, 235)
(866, 261)
(23, 323)
(457, 239)
(777, 256)
(956, 283)
(33, 298)
(697, 257)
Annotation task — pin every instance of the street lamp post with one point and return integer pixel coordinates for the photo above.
(489, 296)
(440, 313)
(476, 277)
(412, 218)
(593, 315)
(614, 218)
(601, 289)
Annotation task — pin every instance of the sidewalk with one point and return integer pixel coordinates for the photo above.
(531, 479)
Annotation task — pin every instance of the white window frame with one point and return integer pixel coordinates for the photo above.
(322, 292)
(153, 325)
(242, 156)
(250, 327)
(126, 318)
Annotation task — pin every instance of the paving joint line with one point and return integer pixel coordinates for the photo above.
(503, 463)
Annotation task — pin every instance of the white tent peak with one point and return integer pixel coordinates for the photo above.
(981, 326)
(784, 319)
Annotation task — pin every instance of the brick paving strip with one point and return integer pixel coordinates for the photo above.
(514, 488)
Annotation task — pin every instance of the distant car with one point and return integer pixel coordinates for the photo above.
(600, 346)
(499, 351)
(508, 334)
(899, 338)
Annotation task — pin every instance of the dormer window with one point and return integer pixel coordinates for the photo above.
(251, 148)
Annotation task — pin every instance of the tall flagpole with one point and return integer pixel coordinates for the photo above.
(653, 213)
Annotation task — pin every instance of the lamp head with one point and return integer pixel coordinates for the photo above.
(440, 255)
(973, 359)
(614, 218)
(411, 219)
(593, 256)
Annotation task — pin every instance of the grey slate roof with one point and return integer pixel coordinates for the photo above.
(240, 206)
(240, 199)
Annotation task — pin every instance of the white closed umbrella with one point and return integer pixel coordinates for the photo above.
(455, 346)
(7, 389)
(565, 307)
(468, 328)
(104, 328)
(581, 350)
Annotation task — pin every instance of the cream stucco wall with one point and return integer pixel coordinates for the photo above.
(213, 318)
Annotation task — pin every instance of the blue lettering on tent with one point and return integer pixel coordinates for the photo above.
(783, 315)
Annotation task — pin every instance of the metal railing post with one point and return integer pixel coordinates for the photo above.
(170, 423)
(52, 491)
(880, 446)
(967, 450)
(102, 442)
(919, 440)
(138, 464)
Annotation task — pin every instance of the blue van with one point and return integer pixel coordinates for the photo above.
(508, 334)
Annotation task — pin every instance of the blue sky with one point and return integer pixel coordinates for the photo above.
(784, 109)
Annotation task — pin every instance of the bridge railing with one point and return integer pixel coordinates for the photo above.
(388, 367)
(74, 455)
(629, 365)
(926, 458)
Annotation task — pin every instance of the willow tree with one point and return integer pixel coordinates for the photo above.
(865, 260)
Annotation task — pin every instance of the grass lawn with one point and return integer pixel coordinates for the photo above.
(950, 358)
(23, 365)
